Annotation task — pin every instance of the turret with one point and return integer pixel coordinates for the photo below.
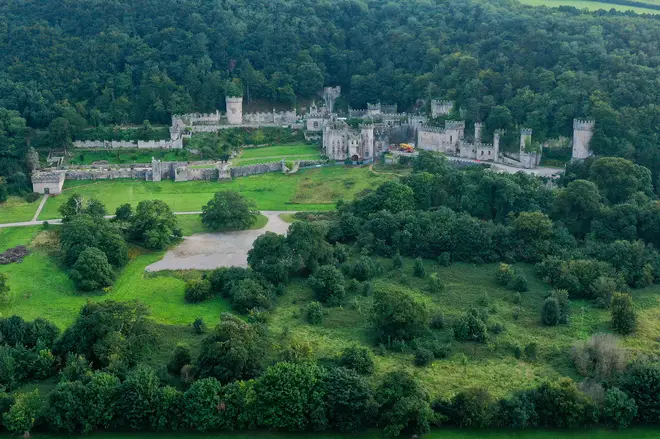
(496, 143)
(234, 110)
(583, 131)
(477, 132)
(367, 133)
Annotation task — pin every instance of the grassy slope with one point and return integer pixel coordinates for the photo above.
(592, 6)
(308, 189)
(15, 209)
(294, 151)
(494, 365)
(82, 156)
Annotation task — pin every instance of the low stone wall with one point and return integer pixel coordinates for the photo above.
(262, 168)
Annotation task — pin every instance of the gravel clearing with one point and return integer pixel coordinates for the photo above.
(207, 251)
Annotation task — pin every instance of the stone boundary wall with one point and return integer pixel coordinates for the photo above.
(139, 144)
(262, 168)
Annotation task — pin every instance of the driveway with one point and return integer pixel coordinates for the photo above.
(207, 251)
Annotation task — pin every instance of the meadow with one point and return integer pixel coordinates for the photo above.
(16, 209)
(593, 6)
(119, 156)
(308, 189)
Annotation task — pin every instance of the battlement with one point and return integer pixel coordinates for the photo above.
(234, 99)
(441, 102)
(584, 124)
(525, 131)
(48, 177)
(454, 124)
(367, 126)
(500, 132)
(478, 125)
(426, 128)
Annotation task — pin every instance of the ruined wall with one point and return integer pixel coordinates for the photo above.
(140, 144)
(262, 168)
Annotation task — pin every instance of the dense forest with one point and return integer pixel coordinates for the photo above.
(96, 62)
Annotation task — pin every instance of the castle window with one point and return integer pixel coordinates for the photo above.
(450, 138)
(488, 152)
(482, 153)
(316, 124)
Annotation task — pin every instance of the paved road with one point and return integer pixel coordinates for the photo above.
(212, 250)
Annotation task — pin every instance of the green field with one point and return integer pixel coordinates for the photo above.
(88, 156)
(41, 288)
(16, 209)
(191, 224)
(308, 189)
(294, 151)
(441, 433)
(592, 6)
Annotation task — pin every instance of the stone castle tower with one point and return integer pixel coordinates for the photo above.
(583, 131)
(234, 110)
(477, 132)
(367, 132)
(525, 138)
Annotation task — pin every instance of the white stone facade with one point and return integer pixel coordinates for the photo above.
(234, 110)
(50, 182)
(341, 142)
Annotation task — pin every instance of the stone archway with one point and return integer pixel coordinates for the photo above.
(355, 158)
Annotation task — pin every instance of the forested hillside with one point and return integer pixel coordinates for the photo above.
(124, 61)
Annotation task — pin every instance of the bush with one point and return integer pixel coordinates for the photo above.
(531, 351)
(397, 316)
(603, 289)
(249, 294)
(519, 283)
(418, 268)
(550, 314)
(619, 409)
(436, 284)
(444, 259)
(92, 271)
(197, 291)
(472, 408)
(624, 316)
(599, 357)
(438, 321)
(154, 225)
(328, 284)
(403, 405)
(397, 262)
(471, 327)
(358, 359)
(365, 268)
(641, 382)
(504, 274)
(423, 357)
(180, 357)
(199, 325)
(314, 313)
(31, 197)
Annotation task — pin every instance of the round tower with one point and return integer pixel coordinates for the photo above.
(234, 110)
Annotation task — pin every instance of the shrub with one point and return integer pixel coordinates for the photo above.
(357, 358)
(348, 399)
(641, 382)
(92, 271)
(418, 268)
(397, 316)
(314, 313)
(550, 314)
(199, 325)
(435, 283)
(599, 357)
(603, 289)
(624, 316)
(31, 197)
(472, 408)
(471, 327)
(562, 405)
(619, 409)
(531, 351)
(180, 357)
(403, 405)
(504, 274)
(341, 253)
(444, 259)
(423, 357)
(197, 291)
(23, 414)
(328, 285)
(438, 321)
(517, 298)
(519, 283)
(365, 268)
(397, 262)
(249, 294)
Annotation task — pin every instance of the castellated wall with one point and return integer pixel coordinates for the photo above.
(262, 168)
(141, 144)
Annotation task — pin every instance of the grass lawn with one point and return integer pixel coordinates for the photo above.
(16, 209)
(440, 433)
(297, 151)
(83, 156)
(288, 217)
(40, 287)
(592, 6)
(308, 189)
